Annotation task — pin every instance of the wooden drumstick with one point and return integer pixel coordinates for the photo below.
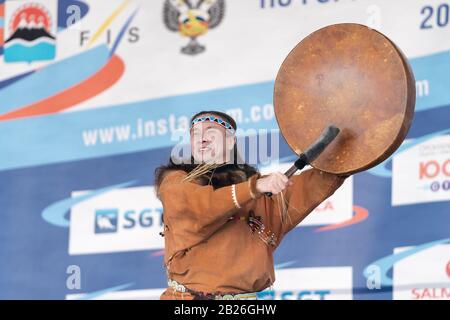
(305, 158)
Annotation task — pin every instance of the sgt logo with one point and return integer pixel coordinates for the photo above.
(106, 220)
(119, 220)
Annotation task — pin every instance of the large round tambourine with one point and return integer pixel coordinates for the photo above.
(355, 78)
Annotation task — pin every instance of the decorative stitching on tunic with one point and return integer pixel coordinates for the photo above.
(233, 195)
(256, 225)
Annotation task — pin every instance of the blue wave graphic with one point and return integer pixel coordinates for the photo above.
(382, 171)
(54, 133)
(18, 52)
(183, 105)
(96, 294)
(435, 70)
(44, 83)
(56, 213)
(284, 264)
(386, 263)
(9, 81)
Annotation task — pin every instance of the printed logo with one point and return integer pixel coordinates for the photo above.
(106, 220)
(380, 268)
(30, 31)
(115, 221)
(422, 173)
(424, 275)
(193, 21)
(31, 35)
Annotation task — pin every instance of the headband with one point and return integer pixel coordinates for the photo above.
(220, 121)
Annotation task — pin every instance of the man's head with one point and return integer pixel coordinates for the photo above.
(212, 137)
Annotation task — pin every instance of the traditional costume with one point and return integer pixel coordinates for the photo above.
(219, 243)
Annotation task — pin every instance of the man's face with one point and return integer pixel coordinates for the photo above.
(210, 142)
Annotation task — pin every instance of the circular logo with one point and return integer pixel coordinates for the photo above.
(435, 186)
(31, 16)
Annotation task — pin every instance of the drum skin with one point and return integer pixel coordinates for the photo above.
(355, 78)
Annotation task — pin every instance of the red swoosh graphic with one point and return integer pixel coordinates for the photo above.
(99, 82)
(448, 268)
(361, 214)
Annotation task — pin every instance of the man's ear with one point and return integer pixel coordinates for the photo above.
(231, 141)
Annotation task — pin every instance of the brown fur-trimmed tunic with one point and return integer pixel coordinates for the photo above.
(205, 251)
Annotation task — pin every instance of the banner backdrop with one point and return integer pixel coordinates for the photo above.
(94, 95)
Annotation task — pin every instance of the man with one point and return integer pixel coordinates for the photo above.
(220, 228)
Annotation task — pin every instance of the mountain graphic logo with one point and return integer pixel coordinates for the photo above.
(30, 35)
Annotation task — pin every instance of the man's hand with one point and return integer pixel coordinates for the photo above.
(274, 183)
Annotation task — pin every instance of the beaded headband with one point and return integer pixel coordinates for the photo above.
(220, 121)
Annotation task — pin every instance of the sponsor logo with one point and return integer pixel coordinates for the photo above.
(119, 220)
(424, 275)
(30, 31)
(422, 173)
(106, 220)
(412, 269)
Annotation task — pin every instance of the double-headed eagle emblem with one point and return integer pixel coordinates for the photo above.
(193, 20)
